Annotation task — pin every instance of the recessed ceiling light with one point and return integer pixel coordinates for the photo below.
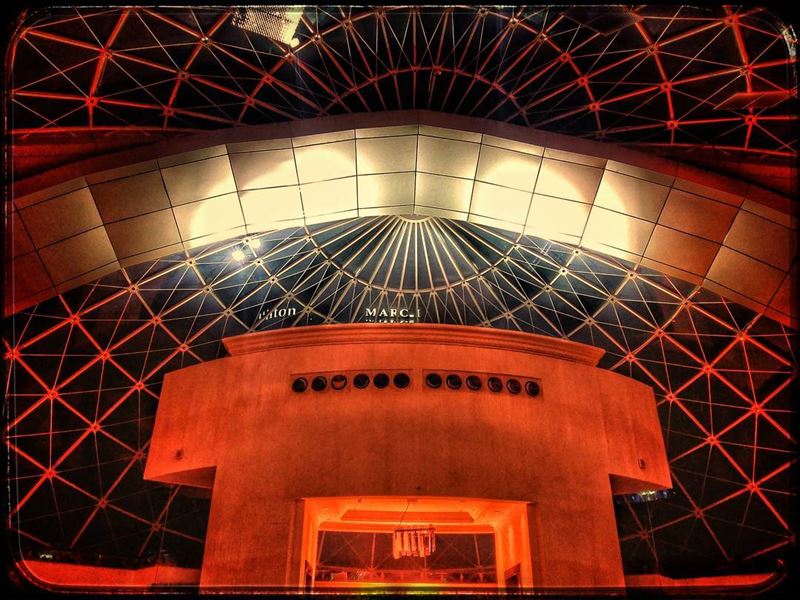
(237, 255)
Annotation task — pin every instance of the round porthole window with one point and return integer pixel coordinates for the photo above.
(532, 388)
(453, 381)
(474, 382)
(401, 380)
(433, 380)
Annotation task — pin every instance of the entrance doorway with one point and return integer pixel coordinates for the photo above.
(357, 542)
(367, 557)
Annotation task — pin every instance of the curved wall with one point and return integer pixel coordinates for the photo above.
(735, 240)
(263, 447)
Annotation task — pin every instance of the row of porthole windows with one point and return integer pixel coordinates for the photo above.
(360, 381)
(475, 383)
(402, 380)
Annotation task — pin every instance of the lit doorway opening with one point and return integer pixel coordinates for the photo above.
(361, 557)
(458, 543)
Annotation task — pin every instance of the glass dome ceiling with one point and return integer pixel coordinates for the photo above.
(685, 81)
(86, 369)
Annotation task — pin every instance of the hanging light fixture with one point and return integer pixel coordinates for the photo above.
(276, 23)
(413, 542)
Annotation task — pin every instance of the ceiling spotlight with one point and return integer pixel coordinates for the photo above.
(254, 243)
(294, 43)
(276, 23)
(237, 255)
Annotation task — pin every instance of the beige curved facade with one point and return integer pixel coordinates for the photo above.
(735, 239)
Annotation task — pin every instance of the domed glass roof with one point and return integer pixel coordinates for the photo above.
(86, 369)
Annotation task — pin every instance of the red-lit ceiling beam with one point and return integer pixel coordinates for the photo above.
(530, 47)
(351, 31)
(733, 70)
(81, 17)
(161, 517)
(103, 500)
(511, 24)
(27, 131)
(582, 79)
(336, 98)
(564, 57)
(732, 21)
(48, 395)
(169, 109)
(22, 93)
(414, 12)
(332, 57)
(316, 39)
(661, 124)
(640, 53)
(176, 24)
(788, 541)
(588, 76)
(666, 85)
(143, 61)
(60, 39)
(457, 72)
(699, 513)
(716, 503)
(155, 525)
(690, 32)
(39, 482)
(564, 115)
(129, 104)
(654, 88)
(764, 151)
(476, 21)
(266, 78)
(16, 531)
(51, 473)
(535, 44)
(103, 56)
(515, 92)
(434, 78)
(380, 15)
(201, 41)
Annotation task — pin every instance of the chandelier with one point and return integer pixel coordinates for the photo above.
(413, 542)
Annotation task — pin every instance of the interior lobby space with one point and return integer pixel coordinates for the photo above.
(363, 299)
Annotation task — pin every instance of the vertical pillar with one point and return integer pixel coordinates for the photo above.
(512, 546)
(263, 551)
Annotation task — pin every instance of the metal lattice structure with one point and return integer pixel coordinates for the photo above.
(669, 78)
(86, 369)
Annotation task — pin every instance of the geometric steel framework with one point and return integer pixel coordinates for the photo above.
(86, 369)
(659, 77)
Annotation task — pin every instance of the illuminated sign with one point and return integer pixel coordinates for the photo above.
(392, 315)
(276, 313)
